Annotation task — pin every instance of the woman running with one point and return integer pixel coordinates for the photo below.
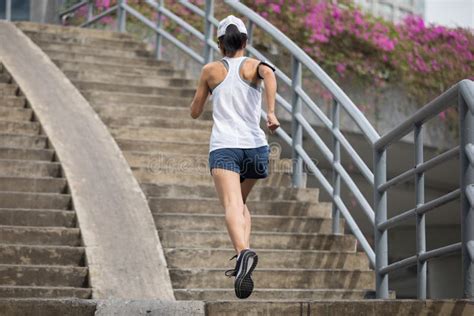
(239, 150)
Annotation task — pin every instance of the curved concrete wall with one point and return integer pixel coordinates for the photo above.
(123, 250)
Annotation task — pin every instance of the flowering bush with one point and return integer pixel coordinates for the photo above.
(427, 59)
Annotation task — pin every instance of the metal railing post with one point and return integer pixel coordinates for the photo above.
(159, 24)
(336, 178)
(208, 31)
(467, 195)
(8, 10)
(296, 128)
(90, 10)
(381, 238)
(420, 218)
(121, 16)
(250, 27)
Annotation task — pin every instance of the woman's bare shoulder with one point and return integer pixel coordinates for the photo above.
(253, 61)
(212, 66)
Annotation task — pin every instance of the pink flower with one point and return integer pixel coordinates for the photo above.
(442, 116)
(276, 8)
(341, 68)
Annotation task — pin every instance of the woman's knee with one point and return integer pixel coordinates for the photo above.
(234, 205)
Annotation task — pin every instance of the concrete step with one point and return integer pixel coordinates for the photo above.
(164, 134)
(26, 154)
(131, 87)
(102, 97)
(153, 80)
(23, 235)
(260, 223)
(124, 110)
(22, 128)
(37, 218)
(10, 140)
(271, 295)
(7, 89)
(286, 241)
(12, 101)
(71, 31)
(45, 292)
(29, 168)
(258, 193)
(15, 113)
(158, 122)
(187, 258)
(69, 67)
(42, 255)
(85, 65)
(329, 307)
(277, 279)
(39, 185)
(48, 307)
(176, 147)
(186, 205)
(83, 40)
(37, 275)
(91, 49)
(28, 200)
(202, 176)
(74, 55)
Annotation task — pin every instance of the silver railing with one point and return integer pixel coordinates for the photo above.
(461, 94)
(299, 99)
(8, 10)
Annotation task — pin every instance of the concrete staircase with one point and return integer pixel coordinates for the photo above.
(144, 103)
(40, 242)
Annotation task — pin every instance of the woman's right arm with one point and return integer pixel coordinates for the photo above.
(202, 92)
(270, 83)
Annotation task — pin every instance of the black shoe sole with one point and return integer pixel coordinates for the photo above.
(244, 284)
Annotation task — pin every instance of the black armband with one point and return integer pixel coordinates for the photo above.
(265, 63)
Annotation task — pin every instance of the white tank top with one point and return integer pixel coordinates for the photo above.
(237, 107)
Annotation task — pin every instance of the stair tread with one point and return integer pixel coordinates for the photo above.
(43, 228)
(45, 247)
(185, 216)
(146, 68)
(264, 250)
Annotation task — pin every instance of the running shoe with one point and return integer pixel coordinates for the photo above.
(246, 263)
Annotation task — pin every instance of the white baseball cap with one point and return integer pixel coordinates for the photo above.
(228, 21)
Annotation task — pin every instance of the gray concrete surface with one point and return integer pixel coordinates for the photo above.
(149, 308)
(124, 262)
(348, 307)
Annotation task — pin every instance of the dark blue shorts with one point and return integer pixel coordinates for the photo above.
(250, 163)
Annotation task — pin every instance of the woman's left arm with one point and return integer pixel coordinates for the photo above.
(202, 92)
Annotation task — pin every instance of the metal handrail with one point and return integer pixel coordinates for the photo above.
(463, 92)
(8, 10)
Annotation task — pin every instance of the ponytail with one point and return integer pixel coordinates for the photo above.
(232, 40)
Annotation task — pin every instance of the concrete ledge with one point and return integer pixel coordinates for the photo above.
(47, 307)
(344, 307)
(124, 253)
(113, 307)
(149, 308)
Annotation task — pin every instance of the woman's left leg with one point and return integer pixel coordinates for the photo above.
(246, 186)
(228, 189)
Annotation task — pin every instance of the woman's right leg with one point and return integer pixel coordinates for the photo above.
(228, 189)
